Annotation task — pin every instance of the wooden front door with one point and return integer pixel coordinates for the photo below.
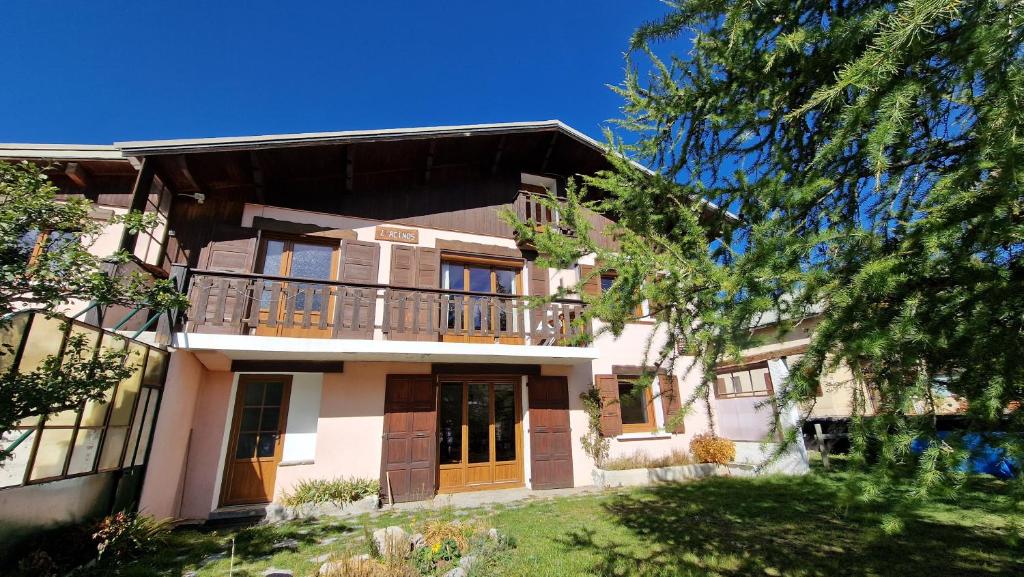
(257, 437)
(550, 437)
(479, 434)
(409, 448)
(297, 308)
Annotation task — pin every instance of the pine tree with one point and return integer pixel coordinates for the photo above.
(865, 159)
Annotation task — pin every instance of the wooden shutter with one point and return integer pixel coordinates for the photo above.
(538, 280)
(591, 287)
(671, 402)
(231, 249)
(720, 386)
(611, 416)
(354, 314)
(413, 315)
(428, 267)
(403, 266)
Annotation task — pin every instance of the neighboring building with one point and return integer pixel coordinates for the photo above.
(359, 309)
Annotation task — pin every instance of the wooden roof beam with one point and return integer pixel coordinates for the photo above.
(498, 153)
(430, 161)
(257, 176)
(350, 157)
(78, 174)
(186, 173)
(547, 155)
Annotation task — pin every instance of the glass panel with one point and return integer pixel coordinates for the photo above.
(13, 470)
(95, 411)
(246, 446)
(606, 283)
(479, 279)
(479, 423)
(504, 422)
(113, 444)
(253, 394)
(736, 386)
(452, 276)
(89, 337)
(53, 448)
(156, 367)
(27, 243)
(272, 258)
(266, 445)
(64, 419)
(10, 340)
(147, 427)
(45, 337)
(310, 261)
(450, 424)
(745, 381)
(133, 436)
(504, 281)
(632, 405)
(128, 390)
(250, 419)
(83, 456)
(274, 392)
(270, 421)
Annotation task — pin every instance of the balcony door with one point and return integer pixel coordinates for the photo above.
(295, 309)
(479, 319)
(479, 434)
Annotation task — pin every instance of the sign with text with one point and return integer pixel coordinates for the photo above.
(409, 235)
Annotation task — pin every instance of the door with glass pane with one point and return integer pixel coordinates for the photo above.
(479, 434)
(257, 437)
(296, 307)
(481, 319)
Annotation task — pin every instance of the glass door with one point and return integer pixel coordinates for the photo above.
(297, 307)
(479, 434)
(480, 318)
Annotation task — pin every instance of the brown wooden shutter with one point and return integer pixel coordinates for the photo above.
(403, 266)
(354, 314)
(591, 287)
(428, 267)
(720, 386)
(231, 249)
(611, 416)
(671, 402)
(768, 383)
(538, 280)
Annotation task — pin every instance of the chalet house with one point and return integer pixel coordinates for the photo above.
(358, 308)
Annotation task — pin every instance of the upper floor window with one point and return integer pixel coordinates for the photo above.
(480, 276)
(748, 381)
(35, 243)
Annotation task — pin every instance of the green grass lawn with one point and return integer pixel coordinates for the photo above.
(722, 526)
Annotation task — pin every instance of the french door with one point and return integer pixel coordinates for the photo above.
(481, 315)
(480, 434)
(287, 301)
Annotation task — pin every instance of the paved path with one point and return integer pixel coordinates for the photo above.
(472, 499)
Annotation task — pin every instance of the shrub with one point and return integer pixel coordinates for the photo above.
(338, 491)
(124, 536)
(370, 568)
(438, 556)
(437, 531)
(594, 443)
(708, 448)
(641, 460)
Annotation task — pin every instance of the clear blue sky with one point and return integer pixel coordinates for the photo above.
(103, 71)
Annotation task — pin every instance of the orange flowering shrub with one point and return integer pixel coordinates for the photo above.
(708, 448)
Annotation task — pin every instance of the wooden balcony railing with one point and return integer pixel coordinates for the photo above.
(232, 303)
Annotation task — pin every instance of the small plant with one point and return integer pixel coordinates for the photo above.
(437, 531)
(370, 568)
(709, 448)
(594, 443)
(338, 491)
(124, 536)
(437, 557)
(641, 460)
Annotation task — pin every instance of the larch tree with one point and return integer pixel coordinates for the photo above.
(858, 158)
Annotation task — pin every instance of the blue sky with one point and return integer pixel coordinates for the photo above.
(103, 71)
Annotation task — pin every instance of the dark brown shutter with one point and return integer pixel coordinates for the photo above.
(538, 280)
(768, 383)
(354, 314)
(231, 249)
(403, 266)
(670, 403)
(591, 286)
(611, 417)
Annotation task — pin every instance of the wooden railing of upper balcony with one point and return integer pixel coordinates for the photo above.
(252, 304)
(529, 208)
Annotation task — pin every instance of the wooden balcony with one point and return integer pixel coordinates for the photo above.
(251, 304)
(529, 208)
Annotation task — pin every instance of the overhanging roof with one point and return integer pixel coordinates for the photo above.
(148, 147)
(60, 151)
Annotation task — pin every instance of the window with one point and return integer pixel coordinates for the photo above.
(744, 381)
(636, 408)
(308, 260)
(101, 435)
(607, 280)
(476, 275)
(35, 243)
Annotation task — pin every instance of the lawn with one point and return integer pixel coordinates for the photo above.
(722, 526)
